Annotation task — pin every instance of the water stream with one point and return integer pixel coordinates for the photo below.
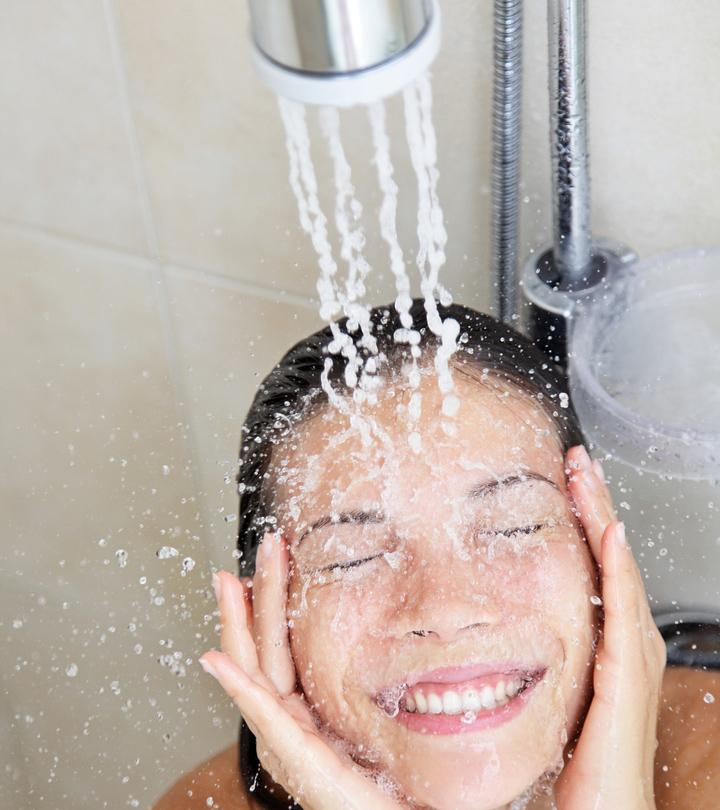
(338, 296)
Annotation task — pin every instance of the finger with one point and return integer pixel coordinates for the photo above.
(270, 609)
(247, 593)
(589, 475)
(617, 737)
(308, 765)
(630, 644)
(628, 618)
(591, 497)
(257, 704)
(235, 637)
(622, 599)
(280, 741)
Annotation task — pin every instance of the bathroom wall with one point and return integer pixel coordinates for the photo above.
(153, 270)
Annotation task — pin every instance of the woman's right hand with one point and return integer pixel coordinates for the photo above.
(256, 670)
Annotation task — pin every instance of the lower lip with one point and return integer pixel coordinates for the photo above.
(453, 723)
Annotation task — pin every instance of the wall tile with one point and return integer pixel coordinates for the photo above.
(106, 703)
(66, 157)
(656, 123)
(97, 460)
(96, 446)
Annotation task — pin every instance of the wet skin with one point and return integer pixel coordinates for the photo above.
(470, 552)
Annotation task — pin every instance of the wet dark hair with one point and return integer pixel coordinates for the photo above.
(292, 392)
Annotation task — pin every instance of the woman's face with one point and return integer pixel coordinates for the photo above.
(447, 581)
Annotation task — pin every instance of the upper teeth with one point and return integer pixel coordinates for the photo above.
(448, 701)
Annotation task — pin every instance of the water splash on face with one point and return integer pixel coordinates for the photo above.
(389, 699)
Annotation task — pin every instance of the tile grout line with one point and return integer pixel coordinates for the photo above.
(198, 273)
(237, 285)
(159, 280)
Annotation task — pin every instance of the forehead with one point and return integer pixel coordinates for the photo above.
(498, 431)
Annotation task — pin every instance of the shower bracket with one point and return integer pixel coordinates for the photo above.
(548, 290)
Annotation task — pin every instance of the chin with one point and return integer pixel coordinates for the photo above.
(487, 780)
(485, 767)
(484, 778)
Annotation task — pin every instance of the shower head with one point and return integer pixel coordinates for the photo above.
(342, 52)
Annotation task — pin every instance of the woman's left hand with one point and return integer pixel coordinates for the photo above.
(611, 766)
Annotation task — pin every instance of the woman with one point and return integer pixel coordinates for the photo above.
(463, 627)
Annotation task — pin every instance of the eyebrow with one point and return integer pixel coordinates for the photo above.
(480, 490)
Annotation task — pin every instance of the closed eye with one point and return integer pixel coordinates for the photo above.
(350, 564)
(531, 529)
(535, 527)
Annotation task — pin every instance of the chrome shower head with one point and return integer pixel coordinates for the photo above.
(343, 52)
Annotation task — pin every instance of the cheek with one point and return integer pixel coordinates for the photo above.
(560, 583)
(329, 624)
(526, 580)
(554, 586)
(565, 582)
(559, 578)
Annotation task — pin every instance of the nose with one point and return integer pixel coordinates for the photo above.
(444, 613)
(444, 596)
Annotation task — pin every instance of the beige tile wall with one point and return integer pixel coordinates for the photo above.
(153, 270)
(67, 160)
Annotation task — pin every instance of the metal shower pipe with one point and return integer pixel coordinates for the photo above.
(506, 133)
(572, 241)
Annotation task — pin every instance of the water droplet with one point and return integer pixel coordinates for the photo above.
(389, 700)
(121, 556)
(708, 697)
(596, 600)
(72, 670)
(165, 552)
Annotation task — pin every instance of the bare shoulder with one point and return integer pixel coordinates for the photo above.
(687, 761)
(216, 777)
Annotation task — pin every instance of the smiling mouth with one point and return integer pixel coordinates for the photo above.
(468, 697)
(448, 692)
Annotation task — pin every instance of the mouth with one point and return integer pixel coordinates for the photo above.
(460, 699)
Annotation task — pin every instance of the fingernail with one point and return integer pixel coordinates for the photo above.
(264, 549)
(585, 458)
(207, 667)
(217, 585)
(620, 535)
